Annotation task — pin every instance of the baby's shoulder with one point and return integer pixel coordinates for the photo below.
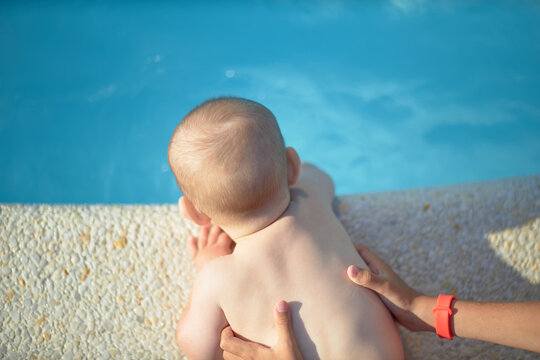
(214, 275)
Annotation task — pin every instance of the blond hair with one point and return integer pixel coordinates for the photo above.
(228, 157)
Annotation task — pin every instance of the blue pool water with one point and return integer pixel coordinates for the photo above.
(383, 96)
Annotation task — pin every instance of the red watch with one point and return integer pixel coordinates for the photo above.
(442, 312)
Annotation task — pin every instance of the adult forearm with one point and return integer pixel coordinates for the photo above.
(514, 324)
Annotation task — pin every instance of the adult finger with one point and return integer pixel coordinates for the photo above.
(367, 279)
(375, 264)
(283, 322)
(231, 344)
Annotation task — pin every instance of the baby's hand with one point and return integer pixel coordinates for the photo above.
(211, 243)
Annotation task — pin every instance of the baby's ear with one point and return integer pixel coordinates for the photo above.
(293, 165)
(188, 211)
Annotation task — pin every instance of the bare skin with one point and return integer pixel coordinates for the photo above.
(515, 324)
(212, 243)
(511, 324)
(285, 349)
(273, 257)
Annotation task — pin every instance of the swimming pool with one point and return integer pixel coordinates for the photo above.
(382, 96)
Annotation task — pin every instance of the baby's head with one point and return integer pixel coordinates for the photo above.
(229, 159)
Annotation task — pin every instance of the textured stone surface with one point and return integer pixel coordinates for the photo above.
(110, 281)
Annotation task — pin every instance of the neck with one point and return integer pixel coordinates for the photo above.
(259, 220)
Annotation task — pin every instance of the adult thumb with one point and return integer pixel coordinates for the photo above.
(365, 278)
(283, 321)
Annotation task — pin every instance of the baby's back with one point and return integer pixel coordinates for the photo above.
(302, 258)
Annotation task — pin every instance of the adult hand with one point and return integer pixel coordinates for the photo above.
(409, 307)
(285, 349)
(515, 324)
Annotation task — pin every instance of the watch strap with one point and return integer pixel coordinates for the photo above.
(443, 311)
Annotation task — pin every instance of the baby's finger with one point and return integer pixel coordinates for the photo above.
(192, 246)
(203, 235)
(224, 239)
(229, 356)
(214, 233)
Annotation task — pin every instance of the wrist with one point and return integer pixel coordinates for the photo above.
(422, 308)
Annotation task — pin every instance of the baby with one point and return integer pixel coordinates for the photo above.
(230, 161)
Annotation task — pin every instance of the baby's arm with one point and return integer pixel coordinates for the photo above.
(315, 182)
(202, 320)
(199, 328)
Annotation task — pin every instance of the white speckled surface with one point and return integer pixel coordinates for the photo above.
(110, 281)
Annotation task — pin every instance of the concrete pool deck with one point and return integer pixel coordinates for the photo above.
(109, 281)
